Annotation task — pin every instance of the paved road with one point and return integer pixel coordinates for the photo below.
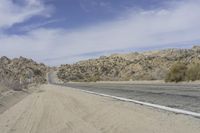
(181, 96)
(58, 109)
(177, 96)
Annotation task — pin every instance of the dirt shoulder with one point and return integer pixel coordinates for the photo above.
(9, 97)
(56, 109)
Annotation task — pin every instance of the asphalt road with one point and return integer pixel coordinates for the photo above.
(58, 109)
(180, 96)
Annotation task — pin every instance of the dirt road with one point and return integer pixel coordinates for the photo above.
(56, 109)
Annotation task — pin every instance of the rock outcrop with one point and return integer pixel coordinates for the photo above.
(20, 72)
(151, 65)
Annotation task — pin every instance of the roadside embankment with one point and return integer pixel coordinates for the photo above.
(10, 97)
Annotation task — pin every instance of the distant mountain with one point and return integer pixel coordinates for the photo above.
(19, 72)
(151, 65)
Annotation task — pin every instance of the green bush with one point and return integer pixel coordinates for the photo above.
(193, 72)
(177, 73)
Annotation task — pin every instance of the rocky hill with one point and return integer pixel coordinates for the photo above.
(19, 72)
(151, 65)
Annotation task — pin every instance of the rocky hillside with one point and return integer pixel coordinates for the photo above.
(19, 72)
(151, 65)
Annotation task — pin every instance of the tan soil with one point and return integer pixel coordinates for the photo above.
(55, 109)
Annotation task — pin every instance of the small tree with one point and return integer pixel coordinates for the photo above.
(177, 73)
(193, 72)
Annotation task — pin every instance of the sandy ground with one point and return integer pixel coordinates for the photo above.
(55, 109)
(9, 97)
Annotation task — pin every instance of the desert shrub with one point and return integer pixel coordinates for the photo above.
(193, 72)
(14, 85)
(37, 72)
(94, 78)
(177, 73)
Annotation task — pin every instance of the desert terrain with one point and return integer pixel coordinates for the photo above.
(87, 97)
(57, 109)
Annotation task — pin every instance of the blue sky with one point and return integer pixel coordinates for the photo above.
(73, 14)
(65, 31)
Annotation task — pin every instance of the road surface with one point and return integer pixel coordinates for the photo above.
(60, 109)
(181, 96)
(57, 109)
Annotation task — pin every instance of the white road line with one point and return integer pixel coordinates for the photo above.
(179, 111)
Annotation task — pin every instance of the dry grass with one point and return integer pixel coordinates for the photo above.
(11, 84)
(183, 72)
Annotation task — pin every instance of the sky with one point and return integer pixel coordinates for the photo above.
(65, 31)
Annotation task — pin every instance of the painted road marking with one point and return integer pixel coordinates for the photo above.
(179, 111)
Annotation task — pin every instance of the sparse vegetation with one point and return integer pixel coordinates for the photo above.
(193, 72)
(17, 73)
(183, 72)
(152, 65)
(177, 73)
(14, 85)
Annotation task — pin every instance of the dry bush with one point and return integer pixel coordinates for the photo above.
(177, 73)
(193, 72)
(14, 85)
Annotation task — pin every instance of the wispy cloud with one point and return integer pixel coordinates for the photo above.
(38, 25)
(12, 13)
(144, 28)
(91, 5)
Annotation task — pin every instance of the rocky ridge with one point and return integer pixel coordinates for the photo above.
(19, 72)
(151, 65)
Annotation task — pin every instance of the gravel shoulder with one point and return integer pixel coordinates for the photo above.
(57, 109)
(9, 97)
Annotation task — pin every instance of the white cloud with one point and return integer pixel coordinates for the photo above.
(12, 13)
(158, 27)
(38, 25)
